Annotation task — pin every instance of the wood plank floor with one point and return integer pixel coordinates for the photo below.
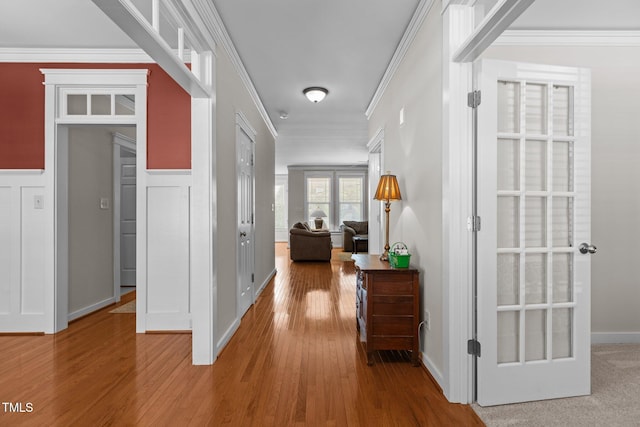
(295, 360)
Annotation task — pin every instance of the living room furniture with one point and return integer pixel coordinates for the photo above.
(355, 228)
(360, 241)
(388, 190)
(387, 306)
(308, 245)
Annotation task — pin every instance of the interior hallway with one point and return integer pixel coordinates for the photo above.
(295, 360)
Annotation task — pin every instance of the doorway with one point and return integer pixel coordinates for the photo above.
(92, 198)
(83, 99)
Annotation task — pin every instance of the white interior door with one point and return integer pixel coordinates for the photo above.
(245, 220)
(127, 218)
(534, 203)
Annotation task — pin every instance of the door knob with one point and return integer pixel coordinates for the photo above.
(243, 234)
(586, 248)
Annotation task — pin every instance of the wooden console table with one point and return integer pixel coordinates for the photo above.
(387, 306)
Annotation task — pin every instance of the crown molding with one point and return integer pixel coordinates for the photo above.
(213, 21)
(120, 56)
(409, 35)
(568, 38)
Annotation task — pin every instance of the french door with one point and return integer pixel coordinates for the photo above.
(533, 195)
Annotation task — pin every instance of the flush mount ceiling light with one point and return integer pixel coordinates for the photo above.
(315, 94)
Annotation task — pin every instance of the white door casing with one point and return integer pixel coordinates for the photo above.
(64, 91)
(534, 204)
(375, 146)
(245, 139)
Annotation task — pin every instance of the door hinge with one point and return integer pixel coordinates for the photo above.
(473, 347)
(473, 223)
(474, 99)
(252, 277)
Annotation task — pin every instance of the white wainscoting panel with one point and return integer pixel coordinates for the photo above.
(32, 229)
(6, 250)
(168, 260)
(22, 251)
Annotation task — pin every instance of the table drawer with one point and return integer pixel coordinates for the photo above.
(392, 325)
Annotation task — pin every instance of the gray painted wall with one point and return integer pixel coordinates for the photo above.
(90, 228)
(232, 97)
(413, 152)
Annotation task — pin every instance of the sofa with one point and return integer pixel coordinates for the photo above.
(355, 228)
(308, 245)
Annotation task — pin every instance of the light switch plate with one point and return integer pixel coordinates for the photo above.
(104, 203)
(38, 201)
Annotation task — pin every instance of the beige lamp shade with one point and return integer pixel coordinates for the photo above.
(388, 188)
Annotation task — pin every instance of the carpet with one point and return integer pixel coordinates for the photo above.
(614, 399)
(129, 307)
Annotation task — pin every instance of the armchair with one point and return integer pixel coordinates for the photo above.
(307, 245)
(355, 228)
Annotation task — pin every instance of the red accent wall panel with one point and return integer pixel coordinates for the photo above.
(22, 116)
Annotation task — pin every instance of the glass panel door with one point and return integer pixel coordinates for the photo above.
(532, 324)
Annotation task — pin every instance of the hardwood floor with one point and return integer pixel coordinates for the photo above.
(295, 360)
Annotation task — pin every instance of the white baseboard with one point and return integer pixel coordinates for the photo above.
(90, 309)
(615, 338)
(266, 282)
(435, 373)
(226, 337)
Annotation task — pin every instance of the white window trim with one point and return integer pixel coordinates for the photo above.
(334, 203)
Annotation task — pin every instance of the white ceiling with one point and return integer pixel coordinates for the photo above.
(287, 45)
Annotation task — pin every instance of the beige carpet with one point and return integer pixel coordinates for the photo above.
(614, 400)
(129, 307)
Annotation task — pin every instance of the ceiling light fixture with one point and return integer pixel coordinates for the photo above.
(315, 94)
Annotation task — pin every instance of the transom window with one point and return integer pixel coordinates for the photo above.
(102, 103)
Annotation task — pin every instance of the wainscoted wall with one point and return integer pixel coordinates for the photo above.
(166, 302)
(22, 253)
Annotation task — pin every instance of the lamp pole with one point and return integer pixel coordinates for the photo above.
(387, 209)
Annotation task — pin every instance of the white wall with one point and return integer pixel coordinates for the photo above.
(413, 152)
(90, 227)
(615, 73)
(232, 97)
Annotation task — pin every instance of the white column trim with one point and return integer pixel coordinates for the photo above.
(457, 378)
(494, 23)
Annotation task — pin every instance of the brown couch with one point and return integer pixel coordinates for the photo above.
(308, 245)
(355, 228)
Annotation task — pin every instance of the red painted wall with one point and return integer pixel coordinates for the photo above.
(22, 116)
